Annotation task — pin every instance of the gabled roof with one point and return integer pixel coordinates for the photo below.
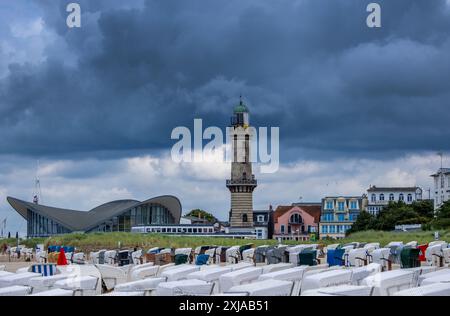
(313, 209)
(441, 170)
(83, 221)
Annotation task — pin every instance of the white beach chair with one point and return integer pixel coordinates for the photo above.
(358, 274)
(269, 287)
(165, 268)
(143, 273)
(45, 283)
(294, 251)
(381, 256)
(326, 279)
(276, 267)
(446, 255)
(239, 266)
(210, 275)
(145, 286)
(444, 244)
(340, 290)
(82, 285)
(5, 273)
(54, 292)
(191, 287)
(232, 254)
(389, 282)
(435, 289)
(248, 255)
(433, 274)
(434, 254)
(17, 279)
(180, 272)
(443, 278)
(136, 256)
(212, 255)
(111, 275)
(2, 267)
(78, 258)
(238, 277)
(357, 257)
(294, 275)
(15, 290)
(110, 256)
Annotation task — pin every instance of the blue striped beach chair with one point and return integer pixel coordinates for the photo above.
(45, 269)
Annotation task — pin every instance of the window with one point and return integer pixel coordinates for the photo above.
(353, 205)
(381, 197)
(373, 198)
(330, 205)
(391, 197)
(401, 197)
(295, 218)
(341, 206)
(410, 197)
(282, 229)
(332, 229)
(341, 217)
(325, 229)
(260, 218)
(353, 217)
(244, 218)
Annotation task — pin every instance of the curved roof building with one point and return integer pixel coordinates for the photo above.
(118, 215)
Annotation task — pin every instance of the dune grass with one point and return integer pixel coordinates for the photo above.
(96, 241)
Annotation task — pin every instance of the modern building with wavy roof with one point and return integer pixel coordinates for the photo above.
(113, 216)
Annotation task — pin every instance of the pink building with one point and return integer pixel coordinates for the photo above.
(296, 222)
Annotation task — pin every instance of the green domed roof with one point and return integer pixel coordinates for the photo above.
(240, 108)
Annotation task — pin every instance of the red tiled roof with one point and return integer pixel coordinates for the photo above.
(313, 210)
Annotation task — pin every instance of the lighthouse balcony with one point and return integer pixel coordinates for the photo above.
(250, 182)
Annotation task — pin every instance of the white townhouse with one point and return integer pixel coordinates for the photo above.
(381, 196)
(441, 187)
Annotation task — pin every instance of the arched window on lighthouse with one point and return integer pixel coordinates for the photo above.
(244, 218)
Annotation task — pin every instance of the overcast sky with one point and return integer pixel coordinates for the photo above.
(96, 105)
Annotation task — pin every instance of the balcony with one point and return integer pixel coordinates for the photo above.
(249, 182)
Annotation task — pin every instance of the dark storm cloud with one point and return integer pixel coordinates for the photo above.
(311, 67)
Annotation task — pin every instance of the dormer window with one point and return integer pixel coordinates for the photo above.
(391, 197)
(381, 197)
(401, 197)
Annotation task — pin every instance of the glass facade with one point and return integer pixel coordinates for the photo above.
(41, 226)
(142, 215)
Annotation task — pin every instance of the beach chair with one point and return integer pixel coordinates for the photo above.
(115, 293)
(210, 275)
(340, 290)
(185, 251)
(382, 256)
(248, 255)
(54, 292)
(202, 259)
(17, 279)
(412, 244)
(181, 258)
(294, 275)
(15, 290)
(244, 248)
(5, 273)
(434, 255)
(233, 255)
(443, 278)
(446, 256)
(294, 251)
(269, 287)
(111, 275)
(260, 254)
(335, 257)
(191, 287)
(147, 271)
(211, 252)
(163, 257)
(308, 257)
(45, 269)
(145, 286)
(136, 257)
(435, 289)
(277, 255)
(410, 257)
(81, 285)
(78, 258)
(357, 257)
(45, 283)
(326, 279)
(433, 274)
(389, 282)
(110, 256)
(360, 273)
(179, 272)
(238, 277)
(2, 267)
(276, 267)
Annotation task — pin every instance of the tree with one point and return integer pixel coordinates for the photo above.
(202, 214)
(424, 208)
(442, 216)
(365, 221)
